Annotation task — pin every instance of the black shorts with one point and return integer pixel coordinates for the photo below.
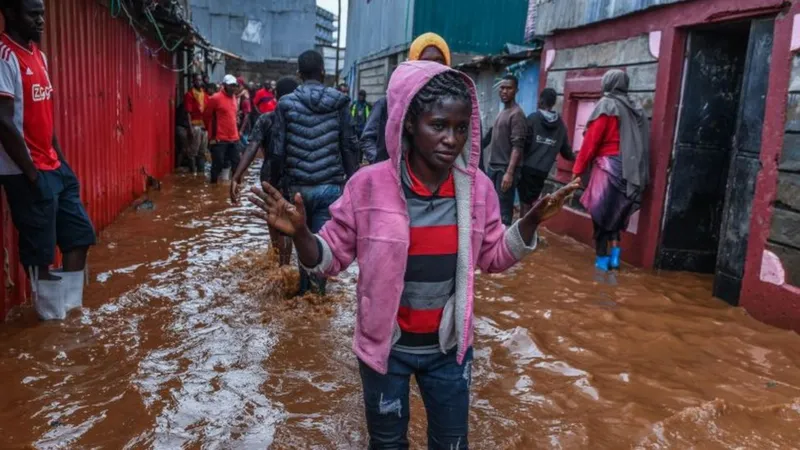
(47, 214)
(531, 185)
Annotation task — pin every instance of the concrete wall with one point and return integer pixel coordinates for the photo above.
(632, 55)
(285, 28)
(784, 237)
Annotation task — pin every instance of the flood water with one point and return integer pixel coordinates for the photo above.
(187, 341)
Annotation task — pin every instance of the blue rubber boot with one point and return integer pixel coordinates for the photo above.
(602, 263)
(615, 255)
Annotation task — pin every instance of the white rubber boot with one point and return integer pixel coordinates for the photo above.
(48, 297)
(72, 285)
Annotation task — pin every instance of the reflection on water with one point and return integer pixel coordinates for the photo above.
(188, 341)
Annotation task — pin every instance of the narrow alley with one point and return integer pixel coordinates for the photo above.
(187, 341)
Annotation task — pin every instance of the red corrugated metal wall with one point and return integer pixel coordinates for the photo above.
(114, 116)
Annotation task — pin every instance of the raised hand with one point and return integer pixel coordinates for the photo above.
(550, 205)
(287, 218)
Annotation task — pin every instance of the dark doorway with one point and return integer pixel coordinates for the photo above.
(715, 161)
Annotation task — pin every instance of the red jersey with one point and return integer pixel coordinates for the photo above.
(24, 77)
(220, 117)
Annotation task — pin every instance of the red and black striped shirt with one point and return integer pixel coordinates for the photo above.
(431, 268)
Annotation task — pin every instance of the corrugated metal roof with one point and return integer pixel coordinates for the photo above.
(281, 29)
(473, 26)
(551, 15)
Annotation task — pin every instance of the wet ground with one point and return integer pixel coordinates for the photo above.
(187, 341)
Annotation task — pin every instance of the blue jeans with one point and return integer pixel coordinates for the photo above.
(444, 386)
(506, 198)
(317, 201)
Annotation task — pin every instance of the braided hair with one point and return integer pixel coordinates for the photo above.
(448, 84)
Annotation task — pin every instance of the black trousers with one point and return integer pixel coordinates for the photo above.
(222, 153)
(603, 238)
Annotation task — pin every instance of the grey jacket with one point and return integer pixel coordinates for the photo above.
(312, 137)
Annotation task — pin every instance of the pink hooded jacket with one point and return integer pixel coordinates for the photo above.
(370, 223)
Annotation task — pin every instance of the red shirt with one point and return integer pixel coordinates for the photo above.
(196, 107)
(264, 101)
(601, 139)
(24, 77)
(220, 118)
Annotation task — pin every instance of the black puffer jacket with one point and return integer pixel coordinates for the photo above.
(313, 139)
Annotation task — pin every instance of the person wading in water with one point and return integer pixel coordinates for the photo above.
(617, 145)
(261, 137)
(419, 224)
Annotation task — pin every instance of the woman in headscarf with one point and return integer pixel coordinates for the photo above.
(427, 47)
(617, 145)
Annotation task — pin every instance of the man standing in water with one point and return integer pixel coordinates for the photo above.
(43, 192)
(195, 102)
(505, 150)
(313, 147)
(223, 133)
(261, 136)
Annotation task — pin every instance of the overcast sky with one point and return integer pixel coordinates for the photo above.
(332, 6)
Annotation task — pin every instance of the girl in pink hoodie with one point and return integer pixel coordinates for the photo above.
(420, 225)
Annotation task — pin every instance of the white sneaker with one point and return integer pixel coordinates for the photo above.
(48, 297)
(72, 287)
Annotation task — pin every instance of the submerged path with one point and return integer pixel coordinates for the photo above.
(188, 341)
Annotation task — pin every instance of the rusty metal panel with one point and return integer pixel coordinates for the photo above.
(114, 117)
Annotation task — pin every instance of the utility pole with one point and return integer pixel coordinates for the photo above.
(338, 41)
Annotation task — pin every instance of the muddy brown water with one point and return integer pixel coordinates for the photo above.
(188, 342)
